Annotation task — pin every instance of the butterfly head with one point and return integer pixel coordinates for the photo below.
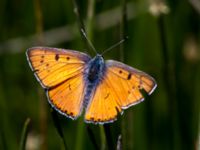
(98, 59)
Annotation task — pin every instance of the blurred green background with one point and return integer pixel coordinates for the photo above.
(164, 41)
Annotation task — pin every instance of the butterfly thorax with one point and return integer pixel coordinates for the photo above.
(95, 69)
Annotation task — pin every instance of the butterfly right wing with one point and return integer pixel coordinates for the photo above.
(118, 90)
(60, 72)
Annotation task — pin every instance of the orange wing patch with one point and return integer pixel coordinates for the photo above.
(67, 96)
(138, 79)
(127, 83)
(103, 106)
(53, 66)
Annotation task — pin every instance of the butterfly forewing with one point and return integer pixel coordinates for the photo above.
(61, 73)
(53, 66)
(137, 79)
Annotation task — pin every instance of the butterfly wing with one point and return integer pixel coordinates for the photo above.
(60, 72)
(67, 97)
(119, 89)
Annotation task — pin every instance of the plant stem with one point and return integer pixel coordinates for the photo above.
(92, 137)
(42, 104)
(80, 135)
(123, 29)
(103, 137)
(39, 22)
(24, 134)
(78, 16)
(90, 17)
(108, 136)
(58, 127)
(123, 33)
(168, 79)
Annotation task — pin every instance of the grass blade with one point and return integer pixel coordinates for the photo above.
(24, 134)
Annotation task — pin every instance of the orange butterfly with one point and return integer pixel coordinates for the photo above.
(74, 81)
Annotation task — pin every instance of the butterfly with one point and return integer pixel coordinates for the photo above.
(74, 82)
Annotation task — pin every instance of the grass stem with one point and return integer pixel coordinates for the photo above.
(103, 137)
(58, 127)
(24, 134)
(92, 137)
(123, 33)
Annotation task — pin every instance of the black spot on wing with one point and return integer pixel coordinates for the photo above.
(120, 71)
(68, 113)
(56, 57)
(68, 58)
(71, 114)
(129, 76)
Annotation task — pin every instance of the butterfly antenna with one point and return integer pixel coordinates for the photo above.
(115, 45)
(89, 42)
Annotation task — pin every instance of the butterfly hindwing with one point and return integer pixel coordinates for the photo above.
(119, 89)
(60, 72)
(103, 106)
(67, 97)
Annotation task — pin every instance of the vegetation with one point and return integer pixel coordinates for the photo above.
(163, 40)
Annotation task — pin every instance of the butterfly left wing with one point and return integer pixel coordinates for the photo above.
(119, 89)
(67, 97)
(60, 72)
